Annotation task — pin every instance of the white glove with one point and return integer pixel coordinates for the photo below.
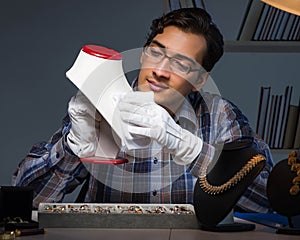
(147, 119)
(83, 136)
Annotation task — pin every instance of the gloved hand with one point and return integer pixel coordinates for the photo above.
(143, 118)
(85, 119)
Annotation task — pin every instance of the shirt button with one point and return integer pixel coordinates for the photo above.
(155, 160)
(154, 193)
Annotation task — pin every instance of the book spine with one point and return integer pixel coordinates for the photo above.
(250, 20)
(273, 124)
(270, 120)
(261, 21)
(289, 136)
(282, 25)
(287, 102)
(262, 110)
(275, 139)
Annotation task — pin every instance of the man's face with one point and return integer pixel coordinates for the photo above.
(169, 85)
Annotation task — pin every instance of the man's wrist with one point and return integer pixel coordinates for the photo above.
(189, 148)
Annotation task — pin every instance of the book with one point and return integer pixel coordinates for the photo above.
(291, 127)
(265, 21)
(286, 103)
(282, 25)
(297, 32)
(261, 22)
(268, 23)
(288, 27)
(262, 110)
(267, 122)
(295, 29)
(270, 120)
(273, 24)
(273, 123)
(279, 112)
(277, 23)
(250, 20)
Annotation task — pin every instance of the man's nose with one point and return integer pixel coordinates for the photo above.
(163, 69)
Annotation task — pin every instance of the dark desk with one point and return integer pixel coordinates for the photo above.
(261, 232)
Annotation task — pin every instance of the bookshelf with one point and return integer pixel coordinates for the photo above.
(266, 29)
(278, 121)
(262, 46)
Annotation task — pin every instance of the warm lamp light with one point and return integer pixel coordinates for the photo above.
(291, 6)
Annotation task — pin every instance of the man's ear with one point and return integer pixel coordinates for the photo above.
(201, 81)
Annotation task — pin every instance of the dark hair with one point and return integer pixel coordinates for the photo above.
(196, 21)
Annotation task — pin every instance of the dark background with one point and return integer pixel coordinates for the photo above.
(40, 40)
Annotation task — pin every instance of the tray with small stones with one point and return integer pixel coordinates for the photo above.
(96, 215)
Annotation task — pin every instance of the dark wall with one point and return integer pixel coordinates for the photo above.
(39, 42)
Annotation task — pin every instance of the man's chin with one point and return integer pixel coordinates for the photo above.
(170, 105)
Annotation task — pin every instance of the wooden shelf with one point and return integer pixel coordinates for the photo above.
(263, 46)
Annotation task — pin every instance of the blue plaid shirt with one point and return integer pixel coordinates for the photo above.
(150, 176)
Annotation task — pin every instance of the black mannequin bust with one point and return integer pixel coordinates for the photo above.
(217, 192)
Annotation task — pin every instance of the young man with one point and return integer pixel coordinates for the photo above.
(183, 125)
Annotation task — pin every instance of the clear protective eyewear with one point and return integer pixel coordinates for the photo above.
(178, 63)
